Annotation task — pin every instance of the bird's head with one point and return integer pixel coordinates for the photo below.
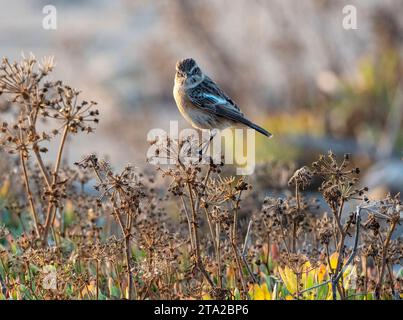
(188, 72)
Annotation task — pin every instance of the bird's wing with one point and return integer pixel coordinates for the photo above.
(209, 97)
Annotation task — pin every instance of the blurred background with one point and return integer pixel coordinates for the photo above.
(290, 65)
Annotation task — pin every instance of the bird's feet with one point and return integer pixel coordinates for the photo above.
(204, 145)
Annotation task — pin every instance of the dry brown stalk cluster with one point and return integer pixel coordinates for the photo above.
(190, 232)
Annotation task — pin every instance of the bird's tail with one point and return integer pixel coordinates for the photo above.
(238, 117)
(258, 129)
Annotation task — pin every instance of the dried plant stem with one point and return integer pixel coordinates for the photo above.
(315, 286)
(196, 248)
(340, 247)
(97, 280)
(335, 278)
(128, 259)
(29, 193)
(189, 221)
(238, 264)
(42, 166)
(366, 273)
(283, 236)
(51, 206)
(60, 152)
(294, 229)
(244, 250)
(267, 260)
(118, 280)
(126, 231)
(337, 217)
(392, 282)
(340, 273)
(245, 262)
(384, 260)
(210, 229)
(298, 292)
(233, 240)
(328, 258)
(26, 183)
(35, 147)
(48, 221)
(197, 205)
(218, 254)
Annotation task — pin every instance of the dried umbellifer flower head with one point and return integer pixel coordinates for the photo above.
(301, 178)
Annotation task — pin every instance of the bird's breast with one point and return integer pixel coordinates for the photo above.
(180, 98)
(196, 116)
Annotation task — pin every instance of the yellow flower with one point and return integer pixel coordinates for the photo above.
(4, 189)
(89, 290)
(206, 296)
(333, 260)
(260, 292)
(321, 273)
(289, 278)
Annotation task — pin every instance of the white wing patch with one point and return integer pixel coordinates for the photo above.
(218, 100)
(221, 102)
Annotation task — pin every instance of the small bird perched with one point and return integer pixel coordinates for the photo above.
(203, 104)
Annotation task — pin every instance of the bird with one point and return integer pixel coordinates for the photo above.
(203, 104)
